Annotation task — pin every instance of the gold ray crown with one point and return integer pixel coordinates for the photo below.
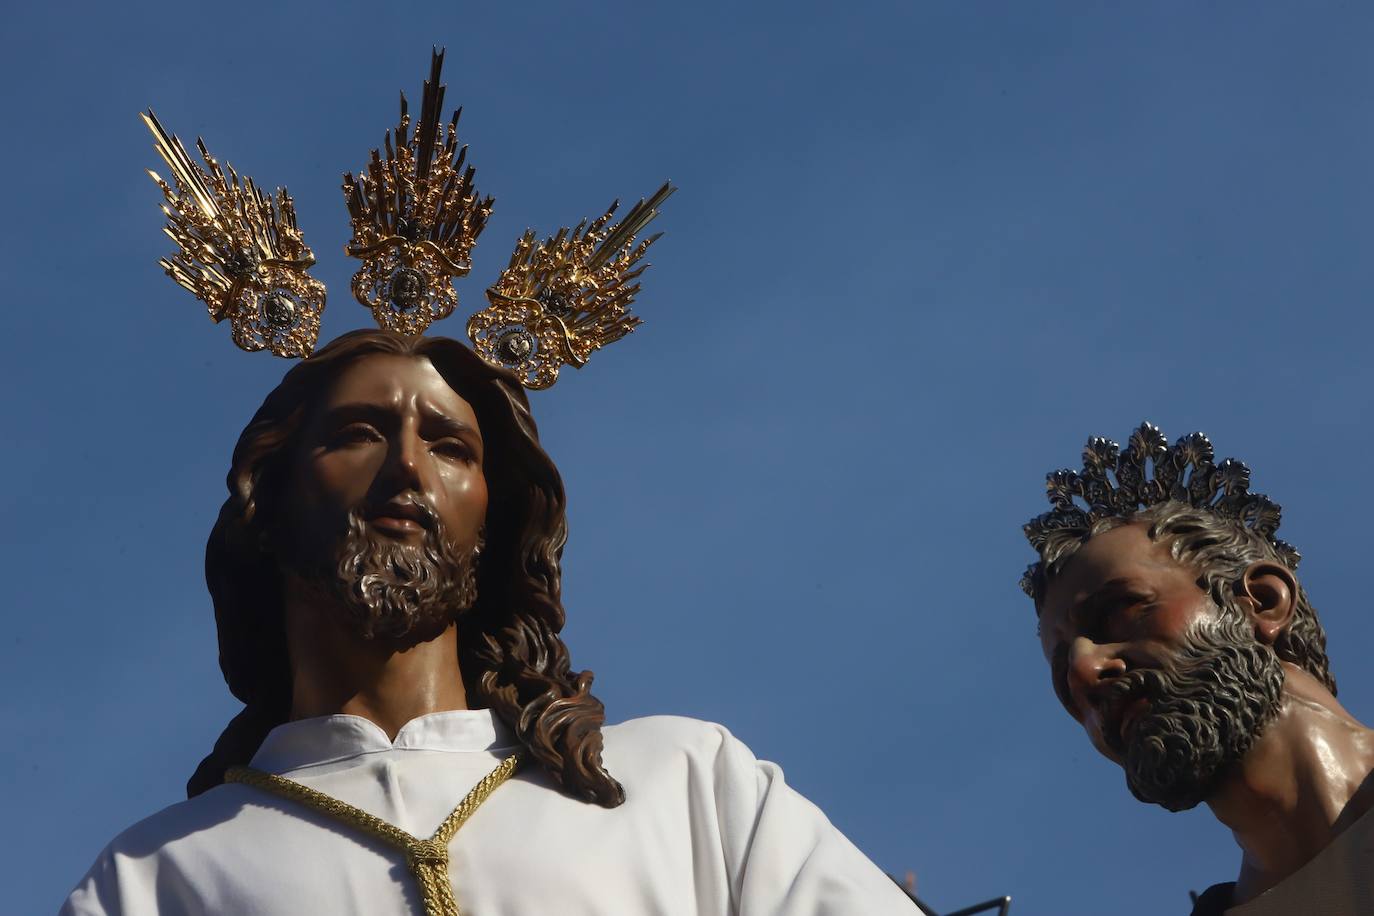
(559, 300)
(239, 250)
(416, 216)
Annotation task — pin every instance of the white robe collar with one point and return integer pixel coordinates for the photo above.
(327, 739)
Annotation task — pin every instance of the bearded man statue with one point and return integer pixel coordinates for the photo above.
(1177, 634)
(385, 575)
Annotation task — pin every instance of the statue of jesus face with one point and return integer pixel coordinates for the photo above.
(387, 476)
(1167, 684)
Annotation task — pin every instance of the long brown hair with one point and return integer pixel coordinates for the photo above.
(510, 653)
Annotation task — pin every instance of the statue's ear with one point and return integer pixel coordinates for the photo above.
(1268, 593)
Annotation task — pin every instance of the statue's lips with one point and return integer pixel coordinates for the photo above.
(399, 518)
(395, 524)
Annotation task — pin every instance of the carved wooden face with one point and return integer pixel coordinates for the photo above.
(389, 434)
(1171, 681)
(1120, 603)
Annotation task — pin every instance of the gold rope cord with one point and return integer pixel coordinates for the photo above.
(427, 859)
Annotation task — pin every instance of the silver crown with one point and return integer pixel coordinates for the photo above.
(1117, 484)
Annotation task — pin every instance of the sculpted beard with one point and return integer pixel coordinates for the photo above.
(1205, 712)
(391, 589)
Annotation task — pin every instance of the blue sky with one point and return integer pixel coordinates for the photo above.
(920, 252)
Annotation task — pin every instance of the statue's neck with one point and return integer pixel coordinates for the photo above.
(1307, 778)
(335, 670)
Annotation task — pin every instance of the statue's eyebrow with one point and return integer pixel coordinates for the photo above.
(340, 414)
(434, 418)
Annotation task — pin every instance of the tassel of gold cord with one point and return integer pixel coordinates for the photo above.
(426, 859)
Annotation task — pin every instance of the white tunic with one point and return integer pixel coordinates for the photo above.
(705, 829)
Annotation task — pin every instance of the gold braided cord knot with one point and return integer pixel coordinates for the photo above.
(426, 852)
(426, 859)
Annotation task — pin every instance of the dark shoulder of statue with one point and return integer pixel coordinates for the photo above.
(1214, 900)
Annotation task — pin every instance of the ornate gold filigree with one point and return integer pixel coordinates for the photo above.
(559, 300)
(416, 216)
(240, 251)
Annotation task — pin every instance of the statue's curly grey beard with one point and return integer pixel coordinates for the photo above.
(394, 590)
(1205, 711)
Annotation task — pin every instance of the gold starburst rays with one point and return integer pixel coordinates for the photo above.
(560, 299)
(239, 250)
(416, 216)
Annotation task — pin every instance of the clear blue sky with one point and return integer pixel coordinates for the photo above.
(920, 252)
